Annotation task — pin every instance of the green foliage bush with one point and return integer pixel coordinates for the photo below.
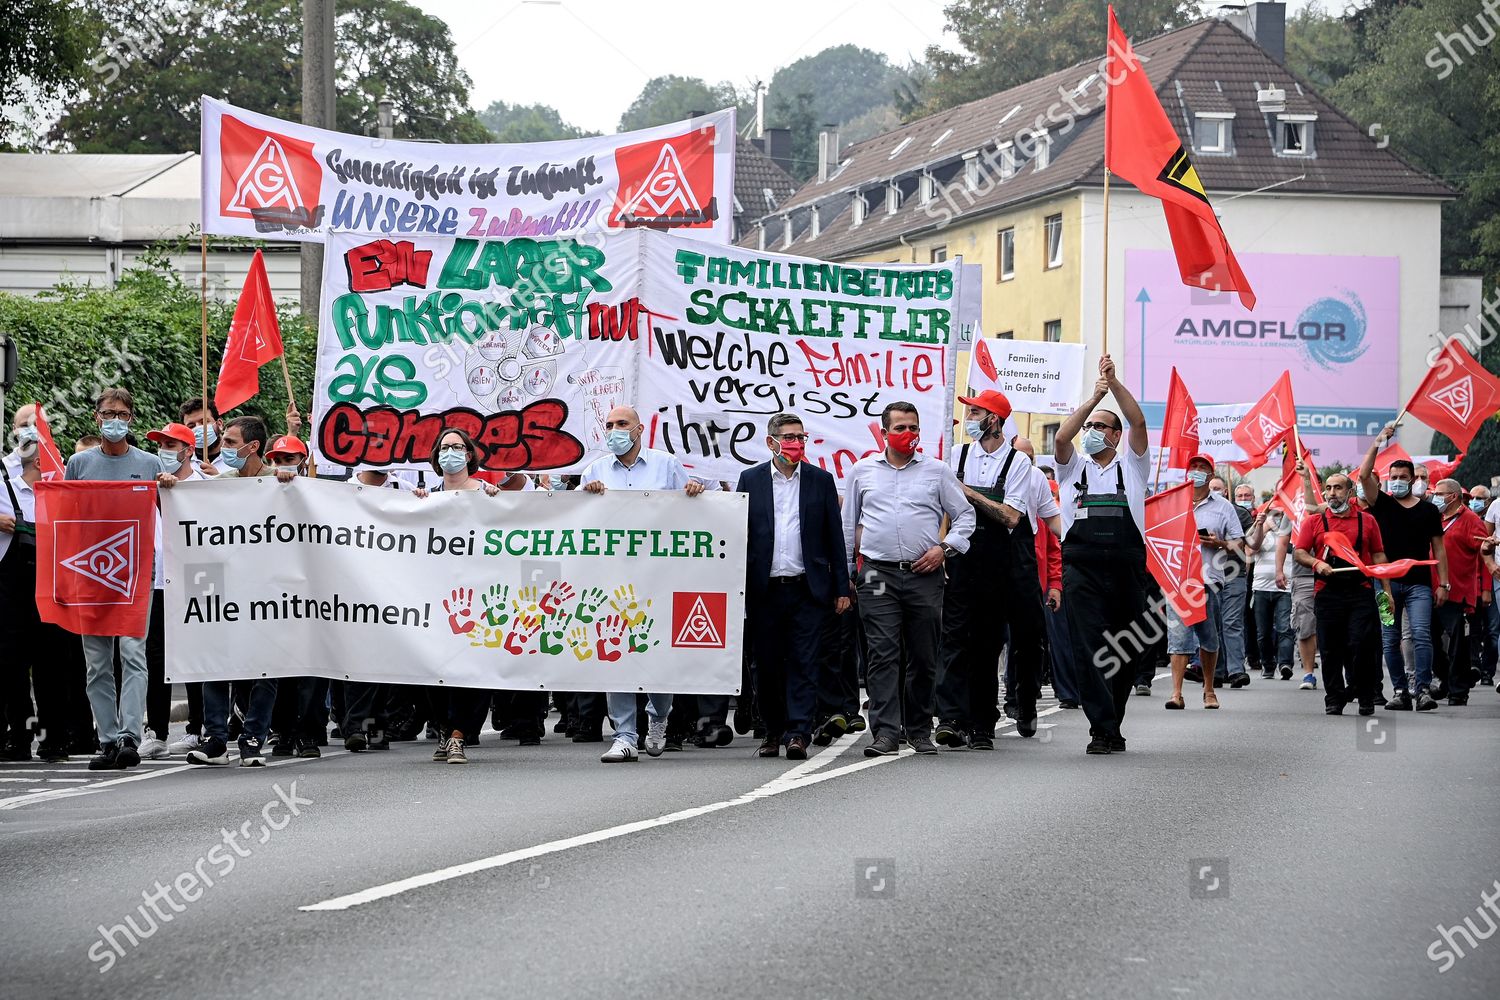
(143, 334)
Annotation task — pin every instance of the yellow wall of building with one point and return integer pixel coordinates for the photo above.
(1022, 304)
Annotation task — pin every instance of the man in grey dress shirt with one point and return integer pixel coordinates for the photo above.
(894, 505)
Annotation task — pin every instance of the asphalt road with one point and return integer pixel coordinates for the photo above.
(1261, 851)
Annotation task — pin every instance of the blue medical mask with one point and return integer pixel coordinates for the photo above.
(1338, 506)
(1197, 477)
(1436, 501)
(293, 469)
(619, 441)
(234, 459)
(1244, 504)
(170, 461)
(1476, 505)
(1359, 491)
(27, 434)
(1399, 488)
(1094, 442)
(114, 430)
(974, 428)
(199, 434)
(453, 460)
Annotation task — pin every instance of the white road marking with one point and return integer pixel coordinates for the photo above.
(775, 786)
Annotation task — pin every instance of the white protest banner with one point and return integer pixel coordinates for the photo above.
(525, 344)
(540, 591)
(1215, 424)
(738, 336)
(271, 178)
(1036, 376)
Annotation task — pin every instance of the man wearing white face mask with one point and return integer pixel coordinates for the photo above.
(1103, 501)
(119, 719)
(1411, 529)
(633, 466)
(208, 429)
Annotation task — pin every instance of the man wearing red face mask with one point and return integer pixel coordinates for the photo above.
(796, 571)
(894, 505)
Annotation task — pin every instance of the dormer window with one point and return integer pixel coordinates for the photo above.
(928, 188)
(1043, 155)
(815, 223)
(1294, 135)
(971, 171)
(786, 231)
(859, 208)
(892, 198)
(1007, 160)
(1211, 132)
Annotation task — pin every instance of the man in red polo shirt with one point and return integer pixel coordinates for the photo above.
(1462, 533)
(1344, 600)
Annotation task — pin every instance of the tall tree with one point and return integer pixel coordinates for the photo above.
(1007, 42)
(845, 81)
(44, 55)
(1320, 47)
(248, 52)
(672, 98)
(526, 123)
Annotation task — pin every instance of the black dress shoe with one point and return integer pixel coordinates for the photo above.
(1333, 709)
(796, 748)
(979, 741)
(882, 746)
(1097, 745)
(921, 744)
(1117, 744)
(948, 735)
(769, 747)
(1026, 727)
(1239, 681)
(106, 760)
(1459, 700)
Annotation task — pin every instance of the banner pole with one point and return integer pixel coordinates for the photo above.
(1160, 454)
(1104, 277)
(203, 340)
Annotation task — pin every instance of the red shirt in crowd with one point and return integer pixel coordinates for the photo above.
(1461, 537)
(1048, 558)
(1310, 536)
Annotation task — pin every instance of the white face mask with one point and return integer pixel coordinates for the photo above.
(1419, 488)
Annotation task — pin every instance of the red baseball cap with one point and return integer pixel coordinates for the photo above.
(287, 445)
(990, 399)
(180, 433)
(1203, 457)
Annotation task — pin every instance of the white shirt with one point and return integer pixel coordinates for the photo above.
(982, 469)
(898, 511)
(1492, 517)
(1040, 502)
(786, 522)
(158, 571)
(25, 496)
(653, 470)
(1102, 479)
(1215, 514)
(1265, 556)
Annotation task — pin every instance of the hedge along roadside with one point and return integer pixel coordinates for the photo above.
(143, 334)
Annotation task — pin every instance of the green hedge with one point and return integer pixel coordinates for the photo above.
(144, 334)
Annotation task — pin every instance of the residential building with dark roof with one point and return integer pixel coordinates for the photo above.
(1340, 235)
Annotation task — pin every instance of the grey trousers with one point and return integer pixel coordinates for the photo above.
(902, 614)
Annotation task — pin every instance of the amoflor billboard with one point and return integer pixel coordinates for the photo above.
(1333, 322)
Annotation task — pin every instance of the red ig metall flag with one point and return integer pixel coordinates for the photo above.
(1265, 425)
(1179, 427)
(1172, 552)
(95, 548)
(1457, 396)
(48, 457)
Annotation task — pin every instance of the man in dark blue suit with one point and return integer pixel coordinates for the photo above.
(796, 570)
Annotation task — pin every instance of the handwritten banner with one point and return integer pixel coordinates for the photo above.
(738, 336)
(527, 345)
(541, 591)
(266, 177)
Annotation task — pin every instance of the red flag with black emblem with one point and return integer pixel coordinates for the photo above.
(1141, 146)
(1457, 396)
(47, 456)
(1172, 552)
(254, 339)
(95, 548)
(1266, 423)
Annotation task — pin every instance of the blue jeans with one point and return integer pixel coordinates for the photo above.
(1273, 627)
(1185, 640)
(1414, 600)
(216, 708)
(1232, 627)
(1060, 645)
(99, 655)
(622, 713)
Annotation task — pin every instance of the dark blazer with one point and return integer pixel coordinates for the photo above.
(823, 556)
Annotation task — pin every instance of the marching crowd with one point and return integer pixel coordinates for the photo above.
(947, 591)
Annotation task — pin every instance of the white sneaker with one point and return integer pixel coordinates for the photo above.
(185, 744)
(152, 748)
(656, 738)
(622, 752)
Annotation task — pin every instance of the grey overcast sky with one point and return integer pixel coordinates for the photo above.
(590, 58)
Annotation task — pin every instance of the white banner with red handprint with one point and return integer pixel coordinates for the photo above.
(552, 591)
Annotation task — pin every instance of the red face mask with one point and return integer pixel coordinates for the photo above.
(902, 442)
(792, 451)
